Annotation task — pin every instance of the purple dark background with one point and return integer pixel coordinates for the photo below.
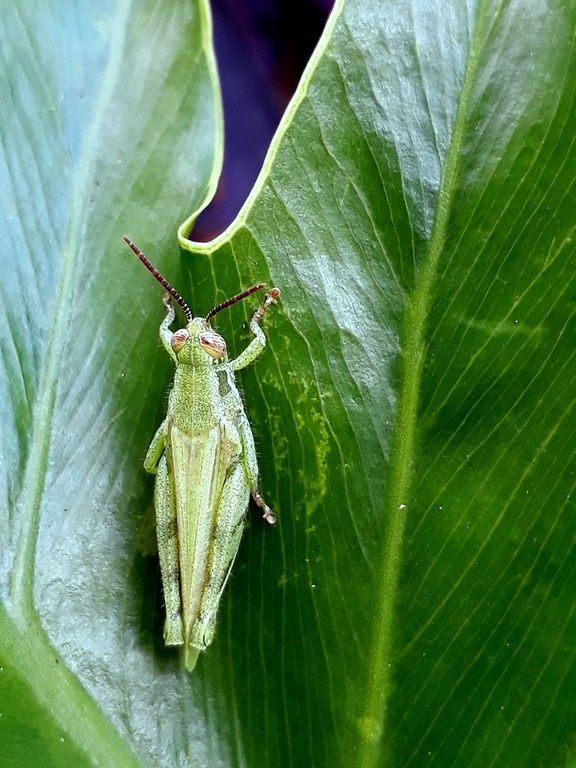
(262, 47)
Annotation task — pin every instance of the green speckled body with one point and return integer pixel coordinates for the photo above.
(204, 459)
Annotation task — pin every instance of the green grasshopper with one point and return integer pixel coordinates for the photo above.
(204, 459)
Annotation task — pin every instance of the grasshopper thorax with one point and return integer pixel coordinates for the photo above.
(198, 344)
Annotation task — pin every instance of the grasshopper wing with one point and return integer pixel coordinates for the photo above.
(211, 495)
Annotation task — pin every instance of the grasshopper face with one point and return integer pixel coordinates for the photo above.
(198, 344)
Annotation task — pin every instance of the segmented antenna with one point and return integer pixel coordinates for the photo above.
(161, 279)
(234, 299)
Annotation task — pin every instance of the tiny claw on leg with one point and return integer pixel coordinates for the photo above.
(267, 513)
(166, 300)
(271, 298)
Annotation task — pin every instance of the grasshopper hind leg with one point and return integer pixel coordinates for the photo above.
(165, 505)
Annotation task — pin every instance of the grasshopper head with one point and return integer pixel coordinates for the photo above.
(198, 344)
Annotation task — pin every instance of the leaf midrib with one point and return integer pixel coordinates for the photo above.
(404, 439)
(28, 649)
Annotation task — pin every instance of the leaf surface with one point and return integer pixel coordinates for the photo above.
(413, 410)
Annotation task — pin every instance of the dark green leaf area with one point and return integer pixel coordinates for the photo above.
(412, 411)
(28, 734)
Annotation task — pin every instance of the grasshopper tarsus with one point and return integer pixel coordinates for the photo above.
(274, 295)
(271, 298)
(267, 513)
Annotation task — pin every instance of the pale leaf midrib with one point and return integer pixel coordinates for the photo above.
(373, 723)
(60, 693)
(26, 647)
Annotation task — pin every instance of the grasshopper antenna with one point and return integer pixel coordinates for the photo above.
(162, 280)
(234, 299)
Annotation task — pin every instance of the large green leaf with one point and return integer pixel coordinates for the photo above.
(413, 410)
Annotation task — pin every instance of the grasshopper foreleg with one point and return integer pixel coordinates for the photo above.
(165, 332)
(259, 341)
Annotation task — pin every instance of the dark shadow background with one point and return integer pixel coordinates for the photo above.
(262, 47)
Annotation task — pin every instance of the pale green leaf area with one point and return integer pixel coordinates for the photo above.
(414, 410)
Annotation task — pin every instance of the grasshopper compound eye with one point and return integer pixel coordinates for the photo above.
(212, 343)
(179, 338)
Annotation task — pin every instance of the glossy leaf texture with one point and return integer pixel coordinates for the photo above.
(413, 410)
